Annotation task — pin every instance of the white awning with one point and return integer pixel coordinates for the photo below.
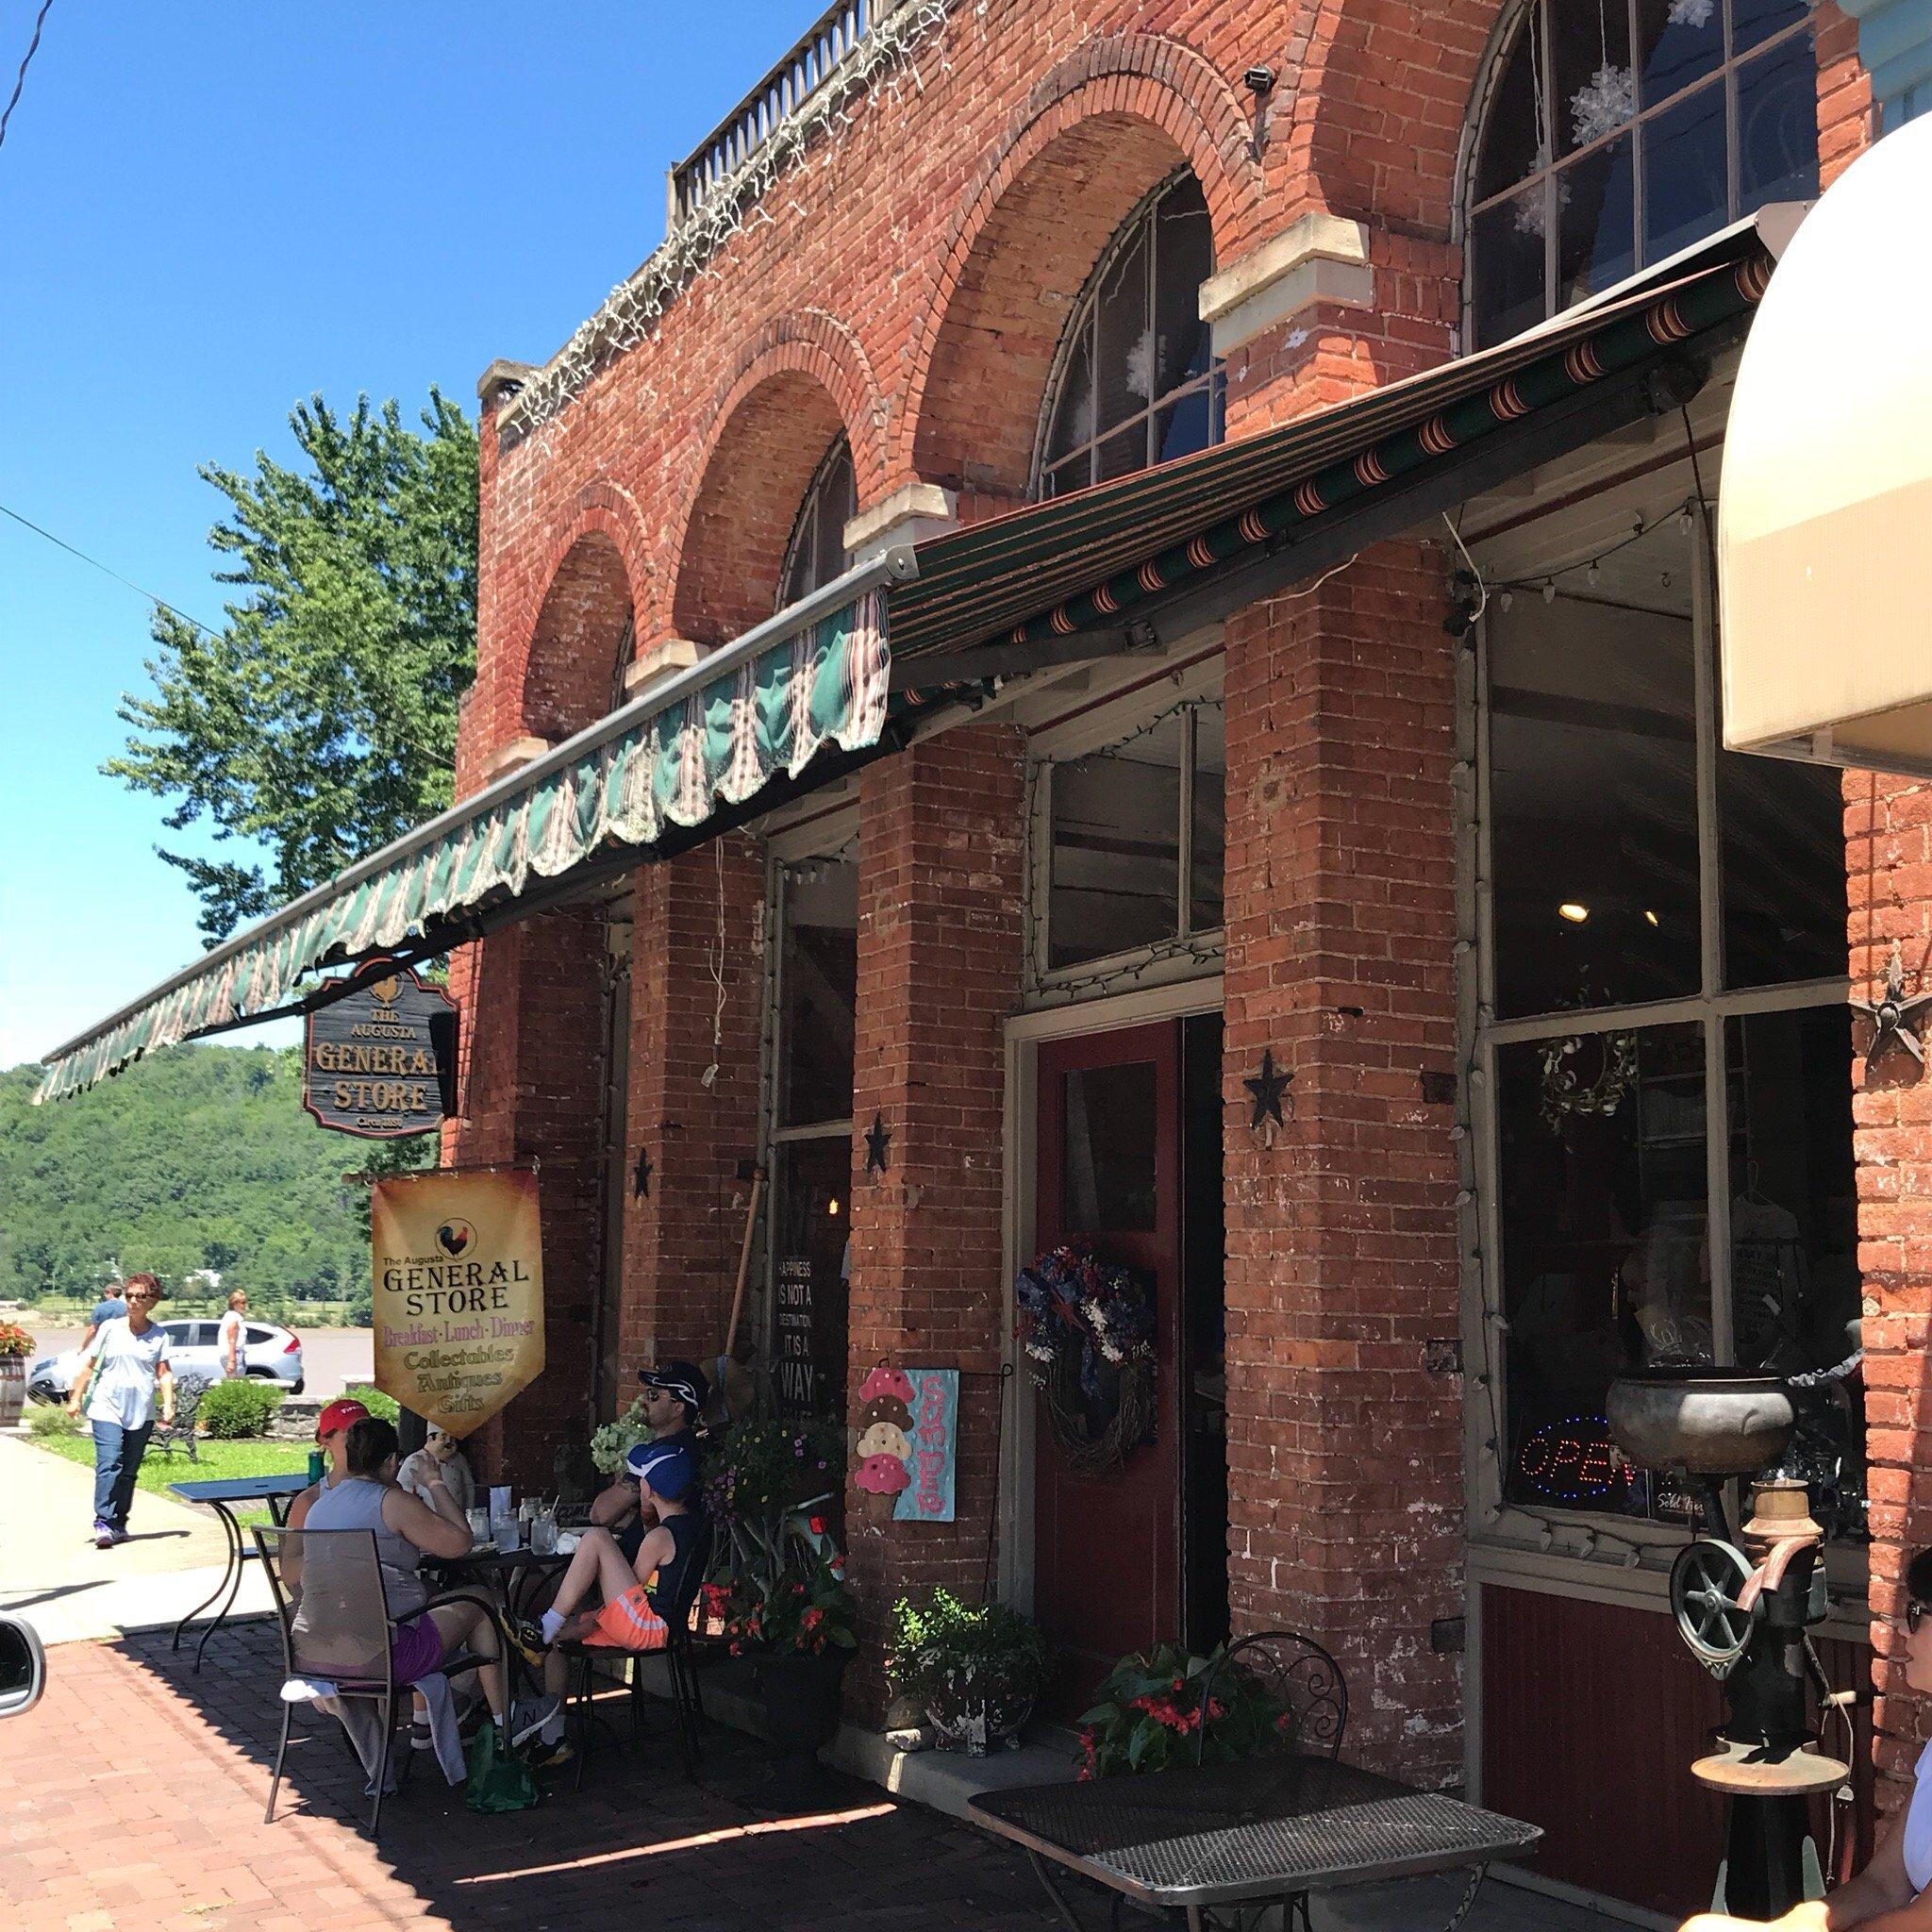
(1825, 518)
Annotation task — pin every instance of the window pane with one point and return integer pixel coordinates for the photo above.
(1593, 787)
(1604, 1262)
(1784, 870)
(1210, 818)
(1123, 453)
(1111, 1131)
(1686, 195)
(1754, 22)
(1509, 246)
(814, 1191)
(1678, 42)
(1125, 344)
(1183, 428)
(1795, 1286)
(819, 977)
(1594, 91)
(1511, 146)
(1074, 473)
(1072, 420)
(837, 505)
(1183, 259)
(1777, 124)
(1116, 848)
(1596, 229)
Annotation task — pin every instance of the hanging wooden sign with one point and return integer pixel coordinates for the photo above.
(459, 1291)
(381, 1062)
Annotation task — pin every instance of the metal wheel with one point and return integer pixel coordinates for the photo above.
(1705, 1584)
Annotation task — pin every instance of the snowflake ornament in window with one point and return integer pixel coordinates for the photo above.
(1693, 13)
(1531, 219)
(1604, 104)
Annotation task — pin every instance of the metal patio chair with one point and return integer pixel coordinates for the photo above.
(687, 1700)
(336, 1627)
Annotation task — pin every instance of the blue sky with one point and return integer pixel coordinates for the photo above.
(208, 212)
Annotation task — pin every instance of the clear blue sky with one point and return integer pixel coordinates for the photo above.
(208, 212)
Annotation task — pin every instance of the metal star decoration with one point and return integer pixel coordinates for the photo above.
(879, 1138)
(641, 1176)
(1268, 1086)
(1893, 1017)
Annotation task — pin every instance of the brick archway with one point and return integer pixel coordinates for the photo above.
(582, 630)
(771, 429)
(1105, 126)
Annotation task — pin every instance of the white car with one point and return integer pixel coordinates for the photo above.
(270, 1354)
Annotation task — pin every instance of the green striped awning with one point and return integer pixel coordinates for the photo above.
(716, 736)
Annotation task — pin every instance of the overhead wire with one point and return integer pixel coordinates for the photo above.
(25, 61)
(107, 570)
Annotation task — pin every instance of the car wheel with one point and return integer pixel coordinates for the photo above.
(296, 1385)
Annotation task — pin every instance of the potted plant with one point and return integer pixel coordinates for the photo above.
(974, 1669)
(798, 1630)
(1151, 1713)
(16, 1347)
(770, 1489)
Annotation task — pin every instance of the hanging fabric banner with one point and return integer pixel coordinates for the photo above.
(458, 1268)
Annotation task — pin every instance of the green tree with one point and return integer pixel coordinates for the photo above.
(321, 722)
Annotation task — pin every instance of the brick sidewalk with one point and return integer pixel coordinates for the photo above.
(131, 1800)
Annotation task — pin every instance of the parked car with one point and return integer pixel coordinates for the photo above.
(22, 1666)
(271, 1354)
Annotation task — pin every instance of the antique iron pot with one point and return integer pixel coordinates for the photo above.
(1710, 1422)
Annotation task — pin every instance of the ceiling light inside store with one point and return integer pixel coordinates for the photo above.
(832, 1206)
(1571, 910)
(1650, 918)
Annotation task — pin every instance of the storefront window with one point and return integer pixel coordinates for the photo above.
(808, 1315)
(819, 974)
(1620, 131)
(1136, 832)
(1675, 1186)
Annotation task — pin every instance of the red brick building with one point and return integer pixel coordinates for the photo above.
(1039, 248)
(1444, 829)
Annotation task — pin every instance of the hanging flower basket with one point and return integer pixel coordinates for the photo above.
(1086, 1327)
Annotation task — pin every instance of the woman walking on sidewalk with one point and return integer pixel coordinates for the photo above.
(126, 1364)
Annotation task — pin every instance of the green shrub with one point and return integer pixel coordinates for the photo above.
(242, 1407)
(48, 1419)
(375, 1401)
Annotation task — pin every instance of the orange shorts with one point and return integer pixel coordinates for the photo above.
(629, 1624)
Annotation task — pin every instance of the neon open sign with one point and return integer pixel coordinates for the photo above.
(1571, 1461)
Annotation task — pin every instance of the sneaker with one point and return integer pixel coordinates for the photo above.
(527, 1638)
(527, 1724)
(548, 1756)
(103, 1533)
(421, 1737)
(122, 1534)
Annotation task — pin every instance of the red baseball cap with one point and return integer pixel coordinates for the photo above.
(340, 1413)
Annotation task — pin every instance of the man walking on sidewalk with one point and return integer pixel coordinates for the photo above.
(126, 1365)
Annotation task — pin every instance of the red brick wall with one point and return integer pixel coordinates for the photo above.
(1344, 1453)
(940, 874)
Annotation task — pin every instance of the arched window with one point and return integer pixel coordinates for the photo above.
(1616, 132)
(816, 553)
(1134, 381)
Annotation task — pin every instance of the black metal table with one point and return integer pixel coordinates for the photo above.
(518, 1573)
(224, 1497)
(1245, 1836)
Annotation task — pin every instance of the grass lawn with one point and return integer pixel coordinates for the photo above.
(217, 1459)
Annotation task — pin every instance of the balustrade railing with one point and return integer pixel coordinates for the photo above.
(818, 54)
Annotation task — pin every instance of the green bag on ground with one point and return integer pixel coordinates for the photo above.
(499, 1778)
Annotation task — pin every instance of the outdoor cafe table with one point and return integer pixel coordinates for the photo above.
(225, 1496)
(519, 1574)
(1246, 1835)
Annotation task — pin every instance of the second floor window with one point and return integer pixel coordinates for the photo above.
(1616, 132)
(1135, 382)
(816, 553)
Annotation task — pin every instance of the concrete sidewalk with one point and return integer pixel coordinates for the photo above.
(52, 1574)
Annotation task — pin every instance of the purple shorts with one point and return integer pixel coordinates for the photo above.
(418, 1647)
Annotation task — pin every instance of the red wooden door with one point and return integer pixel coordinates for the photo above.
(1107, 1548)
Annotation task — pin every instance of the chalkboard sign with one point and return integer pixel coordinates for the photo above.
(381, 1061)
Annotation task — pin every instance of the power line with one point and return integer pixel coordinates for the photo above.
(25, 61)
(106, 569)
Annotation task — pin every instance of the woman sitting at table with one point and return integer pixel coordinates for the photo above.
(636, 1597)
(407, 1528)
(1894, 1893)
